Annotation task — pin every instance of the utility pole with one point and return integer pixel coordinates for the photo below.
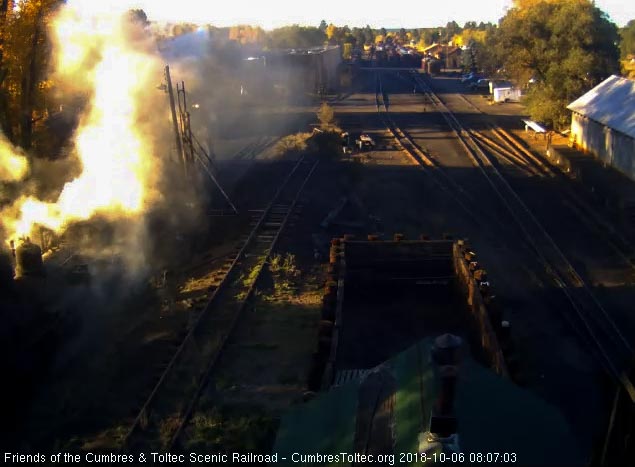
(175, 123)
(189, 151)
(186, 129)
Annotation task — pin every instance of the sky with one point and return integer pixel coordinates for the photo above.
(377, 13)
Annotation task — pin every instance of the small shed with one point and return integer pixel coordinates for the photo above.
(603, 123)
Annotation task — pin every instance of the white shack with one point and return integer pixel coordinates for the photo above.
(507, 95)
(603, 123)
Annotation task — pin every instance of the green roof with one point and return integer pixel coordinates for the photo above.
(325, 425)
(494, 415)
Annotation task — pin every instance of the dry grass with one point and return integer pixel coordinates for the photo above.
(108, 440)
(250, 279)
(263, 373)
(198, 284)
(168, 428)
(327, 142)
(292, 144)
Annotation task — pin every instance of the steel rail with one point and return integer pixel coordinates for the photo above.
(407, 144)
(505, 154)
(551, 172)
(146, 408)
(620, 245)
(465, 199)
(216, 356)
(554, 261)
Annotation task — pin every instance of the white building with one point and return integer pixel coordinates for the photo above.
(603, 123)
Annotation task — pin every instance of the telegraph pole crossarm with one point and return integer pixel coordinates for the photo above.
(191, 154)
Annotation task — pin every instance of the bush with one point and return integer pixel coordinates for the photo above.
(326, 115)
(324, 142)
(292, 144)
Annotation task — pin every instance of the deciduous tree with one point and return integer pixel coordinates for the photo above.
(568, 46)
(627, 44)
(139, 16)
(25, 55)
(246, 34)
(325, 115)
(295, 36)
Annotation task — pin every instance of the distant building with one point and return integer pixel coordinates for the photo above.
(454, 59)
(603, 123)
(441, 51)
(434, 49)
(313, 70)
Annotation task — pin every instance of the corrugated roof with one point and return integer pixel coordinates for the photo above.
(612, 103)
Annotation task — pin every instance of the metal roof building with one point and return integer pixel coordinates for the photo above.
(603, 123)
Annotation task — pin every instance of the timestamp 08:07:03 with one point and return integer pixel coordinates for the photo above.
(457, 457)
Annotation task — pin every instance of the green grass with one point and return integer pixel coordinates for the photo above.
(285, 273)
(250, 279)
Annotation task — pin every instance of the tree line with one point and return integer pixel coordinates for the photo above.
(295, 36)
(556, 49)
(564, 47)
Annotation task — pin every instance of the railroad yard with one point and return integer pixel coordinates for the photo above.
(215, 358)
(528, 239)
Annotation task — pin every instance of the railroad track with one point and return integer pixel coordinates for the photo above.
(510, 160)
(251, 150)
(507, 147)
(425, 161)
(587, 315)
(468, 203)
(171, 402)
(543, 168)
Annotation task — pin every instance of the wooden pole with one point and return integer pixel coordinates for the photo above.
(177, 133)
